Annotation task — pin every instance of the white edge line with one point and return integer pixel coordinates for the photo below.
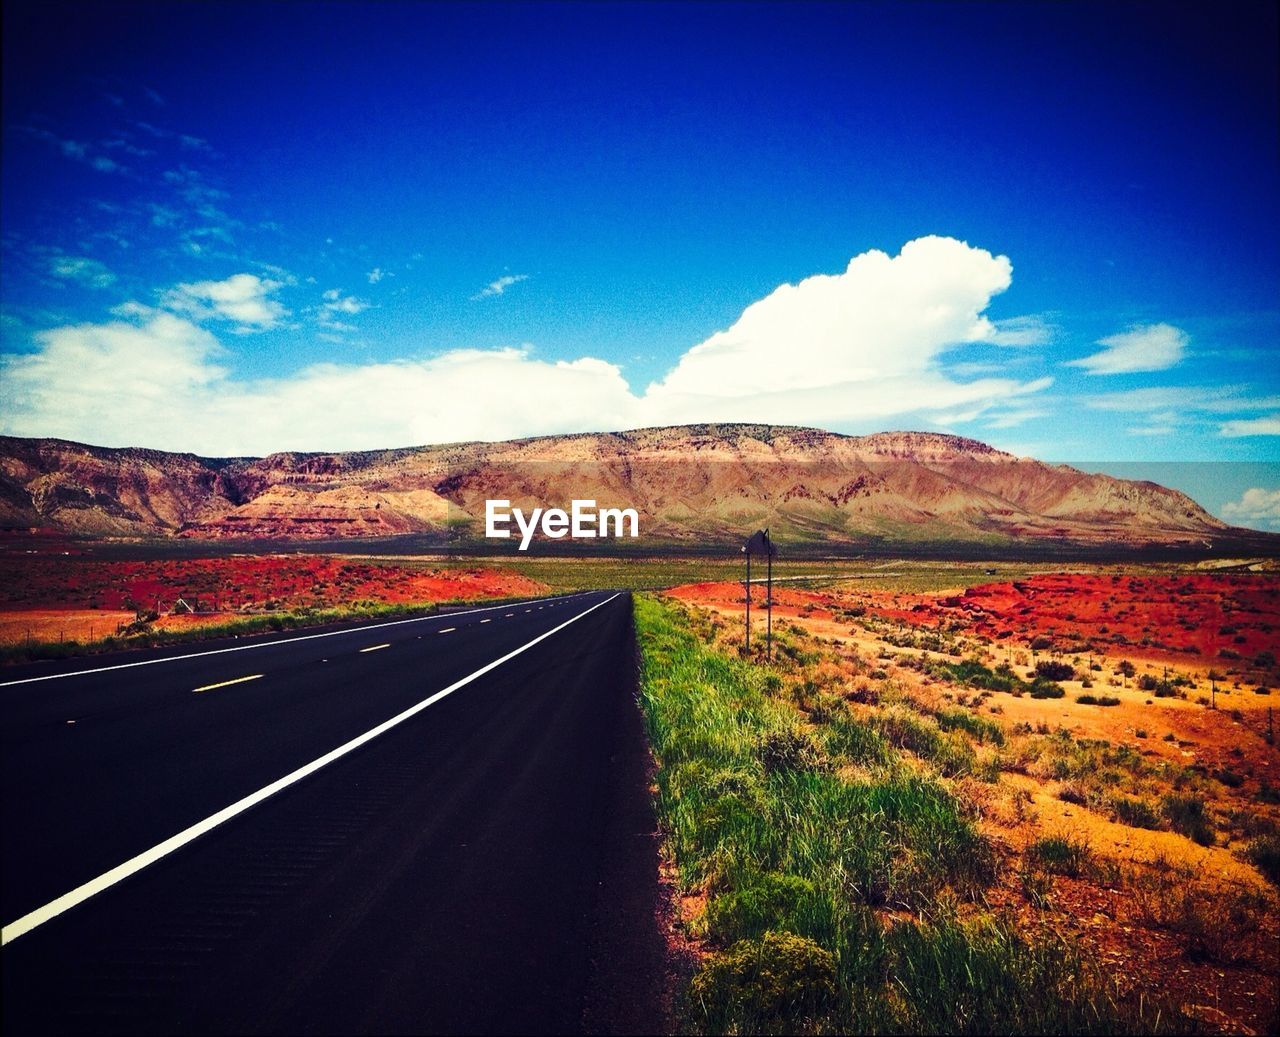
(120, 872)
(264, 644)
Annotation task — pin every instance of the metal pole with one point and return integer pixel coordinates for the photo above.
(768, 604)
(748, 600)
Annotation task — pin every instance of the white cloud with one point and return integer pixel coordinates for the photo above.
(857, 349)
(1161, 423)
(1257, 508)
(500, 285)
(1268, 425)
(242, 298)
(1150, 347)
(126, 382)
(335, 307)
(1217, 399)
(377, 274)
(82, 269)
(861, 344)
(336, 302)
(1020, 332)
(77, 150)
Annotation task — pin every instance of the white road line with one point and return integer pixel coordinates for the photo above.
(134, 865)
(224, 684)
(263, 644)
(447, 630)
(486, 621)
(374, 648)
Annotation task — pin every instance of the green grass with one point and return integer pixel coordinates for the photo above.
(798, 833)
(1061, 855)
(1186, 814)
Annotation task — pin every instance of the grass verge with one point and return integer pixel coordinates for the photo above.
(843, 882)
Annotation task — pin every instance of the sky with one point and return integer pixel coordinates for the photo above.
(239, 228)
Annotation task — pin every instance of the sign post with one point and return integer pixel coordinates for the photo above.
(759, 542)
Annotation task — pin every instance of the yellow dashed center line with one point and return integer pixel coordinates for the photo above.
(223, 684)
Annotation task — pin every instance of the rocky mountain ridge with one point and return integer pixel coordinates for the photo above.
(688, 483)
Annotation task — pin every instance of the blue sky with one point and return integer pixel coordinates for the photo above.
(238, 228)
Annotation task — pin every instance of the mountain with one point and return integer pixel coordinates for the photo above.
(689, 484)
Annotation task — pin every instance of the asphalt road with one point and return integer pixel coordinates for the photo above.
(480, 861)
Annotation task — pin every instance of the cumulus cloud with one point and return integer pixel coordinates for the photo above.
(1257, 508)
(1268, 425)
(858, 349)
(124, 381)
(377, 274)
(244, 299)
(83, 270)
(1150, 347)
(860, 343)
(500, 285)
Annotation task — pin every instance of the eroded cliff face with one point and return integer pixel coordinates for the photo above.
(687, 482)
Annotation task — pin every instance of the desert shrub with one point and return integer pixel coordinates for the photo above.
(1060, 855)
(1264, 852)
(1147, 682)
(1052, 670)
(1186, 814)
(1072, 792)
(1041, 688)
(981, 728)
(976, 675)
(1041, 642)
(1136, 813)
(768, 902)
(1098, 700)
(1232, 779)
(924, 738)
(779, 982)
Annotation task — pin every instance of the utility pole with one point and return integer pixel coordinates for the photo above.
(748, 598)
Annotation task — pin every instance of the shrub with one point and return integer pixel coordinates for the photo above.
(851, 738)
(1060, 855)
(1264, 852)
(1097, 700)
(926, 740)
(1136, 813)
(981, 728)
(779, 982)
(771, 901)
(1055, 671)
(1042, 688)
(1186, 815)
(790, 750)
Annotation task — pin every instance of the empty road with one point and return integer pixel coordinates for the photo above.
(431, 825)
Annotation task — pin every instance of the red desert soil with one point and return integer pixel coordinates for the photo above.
(67, 596)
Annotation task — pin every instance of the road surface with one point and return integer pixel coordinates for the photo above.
(433, 825)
